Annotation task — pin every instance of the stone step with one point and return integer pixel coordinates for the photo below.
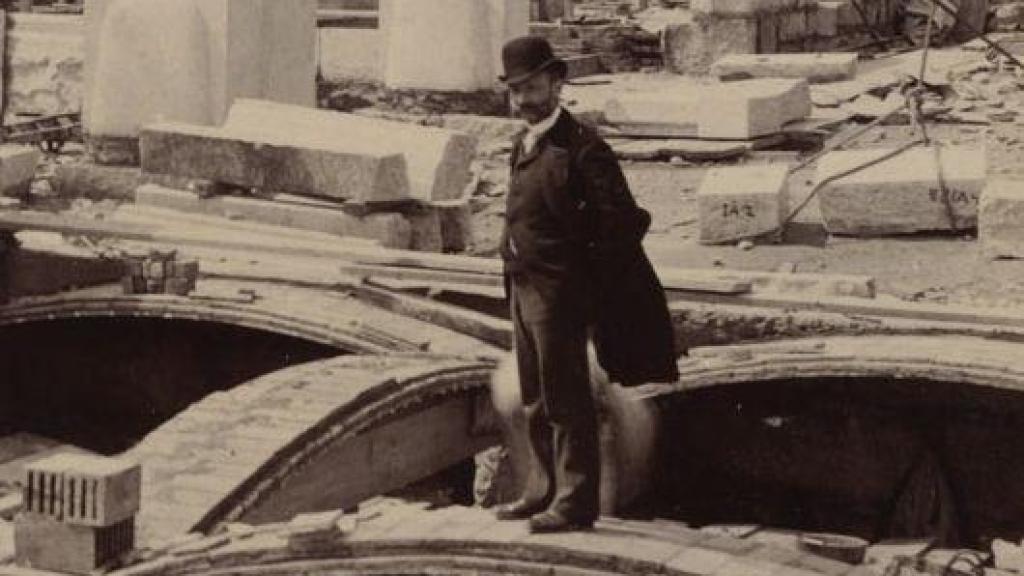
(904, 193)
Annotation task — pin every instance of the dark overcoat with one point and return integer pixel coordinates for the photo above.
(574, 228)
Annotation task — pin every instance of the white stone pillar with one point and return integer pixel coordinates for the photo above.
(187, 60)
(449, 44)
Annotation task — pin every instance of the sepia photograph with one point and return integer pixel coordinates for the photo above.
(511, 287)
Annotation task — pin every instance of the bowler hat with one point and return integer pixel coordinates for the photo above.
(527, 56)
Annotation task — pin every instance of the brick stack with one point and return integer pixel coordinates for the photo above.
(79, 513)
(159, 273)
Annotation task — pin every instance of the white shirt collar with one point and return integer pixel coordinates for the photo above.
(534, 132)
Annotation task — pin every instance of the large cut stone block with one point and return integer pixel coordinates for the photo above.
(83, 489)
(742, 202)
(751, 108)
(223, 49)
(302, 163)
(820, 67)
(1001, 219)
(921, 189)
(438, 160)
(45, 544)
(390, 229)
(17, 168)
(824, 21)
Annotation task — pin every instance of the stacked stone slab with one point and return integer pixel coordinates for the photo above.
(79, 513)
(922, 189)
(742, 202)
(741, 110)
(325, 165)
(1001, 219)
(813, 67)
(438, 160)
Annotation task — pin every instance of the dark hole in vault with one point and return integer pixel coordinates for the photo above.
(103, 384)
(878, 458)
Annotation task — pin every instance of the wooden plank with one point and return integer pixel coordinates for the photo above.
(481, 326)
(424, 276)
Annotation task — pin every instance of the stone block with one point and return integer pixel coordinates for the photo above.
(43, 543)
(390, 229)
(792, 26)
(301, 163)
(438, 160)
(751, 108)
(83, 489)
(17, 168)
(824, 22)
(1001, 219)
(741, 202)
(224, 49)
(902, 194)
(662, 108)
(820, 67)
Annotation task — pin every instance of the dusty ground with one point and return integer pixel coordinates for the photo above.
(933, 267)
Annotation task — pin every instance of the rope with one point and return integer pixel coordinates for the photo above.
(821, 185)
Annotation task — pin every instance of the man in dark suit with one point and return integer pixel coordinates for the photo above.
(575, 268)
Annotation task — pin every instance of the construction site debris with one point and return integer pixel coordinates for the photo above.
(813, 67)
(923, 188)
(743, 202)
(159, 273)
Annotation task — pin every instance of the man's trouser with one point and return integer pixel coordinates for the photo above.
(561, 421)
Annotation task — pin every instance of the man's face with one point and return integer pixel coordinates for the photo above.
(536, 98)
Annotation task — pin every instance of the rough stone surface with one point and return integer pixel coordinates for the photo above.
(741, 202)
(437, 159)
(45, 56)
(352, 53)
(902, 194)
(315, 164)
(17, 168)
(1001, 219)
(752, 108)
(819, 67)
(392, 230)
(223, 49)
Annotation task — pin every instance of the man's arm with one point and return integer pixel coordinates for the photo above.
(616, 224)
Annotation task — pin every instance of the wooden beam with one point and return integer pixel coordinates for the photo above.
(481, 326)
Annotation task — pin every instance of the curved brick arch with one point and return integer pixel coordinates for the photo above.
(315, 436)
(317, 315)
(970, 360)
